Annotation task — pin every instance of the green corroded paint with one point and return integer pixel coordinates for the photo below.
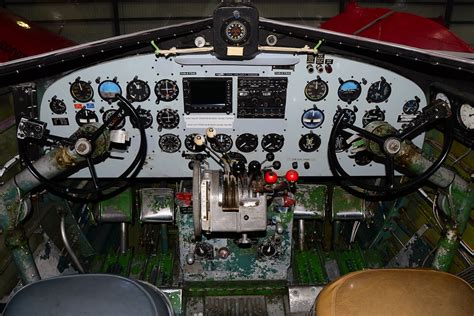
(235, 288)
(344, 201)
(312, 198)
(121, 203)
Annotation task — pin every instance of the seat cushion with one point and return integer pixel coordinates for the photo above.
(396, 292)
(88, 294)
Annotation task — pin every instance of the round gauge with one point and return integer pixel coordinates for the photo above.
(191, 145)
(349, 116)
(247, 142)
(117, 123)
(312, 118)
(316, 90)
(166, 90)
(273, 142)
(349, 91)
(168, 118)
(138, 90)
(108, 90)
(411, 107)
(373, 115)
(222, 143)
(309, 142)
(341, 141)
(169, 143)
(379, 91)
(85, 116)
(57, 106)
(236, 32)
(237, 157)
(145, 117)
(81, 91)
(466, 116)
(443, 97)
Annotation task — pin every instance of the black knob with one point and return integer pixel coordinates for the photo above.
(306, 165)
(276, 165)
(270, 156)
(254, 167)
(238, 168)
(268, 250)
(294, 165)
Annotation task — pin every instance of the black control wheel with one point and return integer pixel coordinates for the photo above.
(85, 141)
(387, 145)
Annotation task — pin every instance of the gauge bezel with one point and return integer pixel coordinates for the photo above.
(345, 110)
(353, 97)
(308, 85)
(311, 126)
(158, 92)
(109, 99)
(122, 121)
(171, 136)
(269, 137)
(384, 96)
(243, 39)
(85, 111)
(57, 101)
(379, 118)
(461, 121)
(159, 118)
(315, 148)
(144, 84)
(86, 84)
(411, 101)
(240, 138)
(219, 148)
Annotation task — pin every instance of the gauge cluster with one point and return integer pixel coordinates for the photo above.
(271, 104)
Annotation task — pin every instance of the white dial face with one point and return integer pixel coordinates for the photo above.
(444, 97)
(466, 115)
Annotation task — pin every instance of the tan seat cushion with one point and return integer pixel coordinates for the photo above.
(396, 292)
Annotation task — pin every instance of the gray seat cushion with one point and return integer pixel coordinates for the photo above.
(88, 294)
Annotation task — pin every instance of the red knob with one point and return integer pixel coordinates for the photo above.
(292, 175)
(271, 177)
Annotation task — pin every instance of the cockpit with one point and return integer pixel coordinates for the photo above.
(236, 165)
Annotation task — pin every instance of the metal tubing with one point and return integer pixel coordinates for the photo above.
(68, 247)
(123, 237)
(301, 234)
(16, 242)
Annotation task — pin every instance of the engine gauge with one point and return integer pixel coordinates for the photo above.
(349, 116)
(309, 142)
(379, 91)
(108, 90)
(312, 118)
(222, 143)
(443, 97)
(191, 145)
(117, 123)
(466, 116)
(247, 142)
(169, 143)
(138, 90)
(411, 106)
(85, 116)
(349, 90)
(373, 115)
(166, 90)
(57, 106)
(316, 90)
(81, 91)
(145, 118)
(236, 32)
(168, 118)
(273, 142)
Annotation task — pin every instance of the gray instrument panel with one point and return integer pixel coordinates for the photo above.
(291, 68)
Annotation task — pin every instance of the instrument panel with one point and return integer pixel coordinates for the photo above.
(277, 103)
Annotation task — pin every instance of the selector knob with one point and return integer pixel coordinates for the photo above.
(254, 167)
(268, 250)
(238, 167)
(276, 165)
(270, 156)
(271, 177)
